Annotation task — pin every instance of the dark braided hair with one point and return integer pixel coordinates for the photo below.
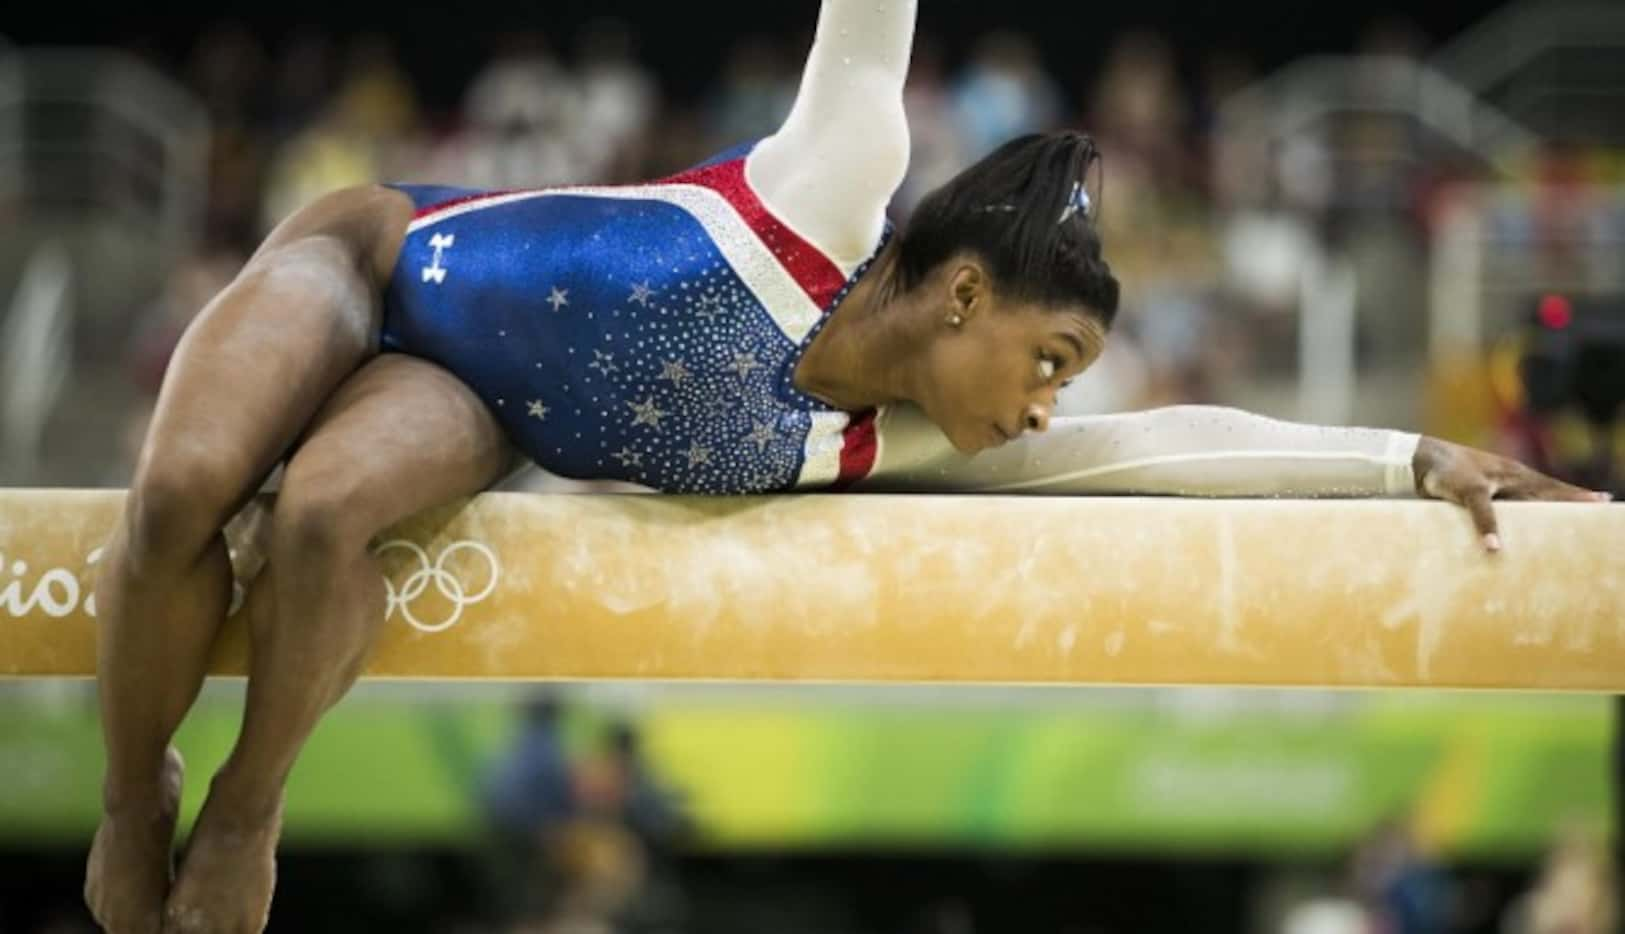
(1023, 211)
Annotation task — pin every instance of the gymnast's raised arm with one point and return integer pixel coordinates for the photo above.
(832, 168)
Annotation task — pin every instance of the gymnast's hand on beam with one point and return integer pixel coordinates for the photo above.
(1472, 478)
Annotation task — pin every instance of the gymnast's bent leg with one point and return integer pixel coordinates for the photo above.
(399, 436)
(246, 378)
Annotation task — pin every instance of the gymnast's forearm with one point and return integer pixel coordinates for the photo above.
(863, 37)
(1179, 450)
(853, 80)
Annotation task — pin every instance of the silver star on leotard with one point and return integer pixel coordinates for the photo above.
(763, 434)
(537, 409)
(710, 307)
(673, 370)
(646, 413)
(628, 458)
(698, 454)
(558, 297)
(603, 362)
(641, 293)
(743, 364)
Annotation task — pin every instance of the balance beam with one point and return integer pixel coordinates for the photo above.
(1364, 593)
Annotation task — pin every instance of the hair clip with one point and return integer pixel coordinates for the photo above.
(1077, 203)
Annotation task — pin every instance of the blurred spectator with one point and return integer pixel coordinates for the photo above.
(1004, 92)
(520, 124)
(757, 88)
(619, 99)
(302, 83)
(228, 70)
(577, 838)
(1223, 74)
(355, 138)
(1158, 227)
(376, 93)
(1141, 115)
(1575, 893)
(522, 85)
(619, 782)
(525, 798)
(938, 148)
(631, 816)
(530, 787)
(1405, 891)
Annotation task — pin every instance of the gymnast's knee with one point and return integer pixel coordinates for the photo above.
(319, 516)
(176, 507)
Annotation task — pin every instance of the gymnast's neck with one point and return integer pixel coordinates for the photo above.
(869, 351)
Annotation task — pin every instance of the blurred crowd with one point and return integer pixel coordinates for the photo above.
(1391, 884)
(579, 839)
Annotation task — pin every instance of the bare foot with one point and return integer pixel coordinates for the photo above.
(130, 865)
(226, 877)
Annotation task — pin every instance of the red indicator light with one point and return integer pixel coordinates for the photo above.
(1555, 312)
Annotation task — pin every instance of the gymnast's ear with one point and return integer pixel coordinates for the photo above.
(968, 287)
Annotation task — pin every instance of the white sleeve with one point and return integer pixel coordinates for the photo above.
(1188, 450)
(830, 171)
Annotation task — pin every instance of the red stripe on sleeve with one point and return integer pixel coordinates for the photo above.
(858, 449)
(816, 273)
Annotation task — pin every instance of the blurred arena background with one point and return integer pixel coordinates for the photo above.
(1325, 213)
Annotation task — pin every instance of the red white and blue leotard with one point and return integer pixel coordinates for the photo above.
(645, 333)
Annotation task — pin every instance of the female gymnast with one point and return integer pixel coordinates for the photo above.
(750, 325)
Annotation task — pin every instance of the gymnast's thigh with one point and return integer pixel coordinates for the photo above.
(399, 436)
(263, 357)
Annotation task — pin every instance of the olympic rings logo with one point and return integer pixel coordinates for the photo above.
(449, 585)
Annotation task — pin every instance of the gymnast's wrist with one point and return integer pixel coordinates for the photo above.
(1430, 452)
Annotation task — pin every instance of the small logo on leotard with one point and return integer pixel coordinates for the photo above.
(434, 272)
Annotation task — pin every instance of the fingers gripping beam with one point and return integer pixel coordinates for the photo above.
(1367, 593)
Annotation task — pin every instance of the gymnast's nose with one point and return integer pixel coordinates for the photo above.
(1036, 418)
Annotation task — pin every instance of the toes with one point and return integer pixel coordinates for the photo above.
(122, 921)
(193, 919)
(147, 924)
(178, 920)
(121, 904)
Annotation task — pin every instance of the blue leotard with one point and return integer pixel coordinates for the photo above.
(646, 333)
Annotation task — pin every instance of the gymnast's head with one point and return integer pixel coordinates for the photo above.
(1002, 267)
